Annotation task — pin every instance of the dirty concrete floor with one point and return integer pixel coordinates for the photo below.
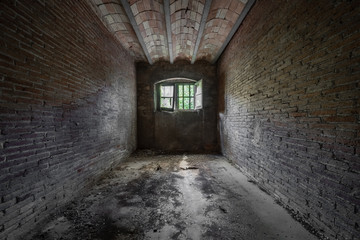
(174, 197)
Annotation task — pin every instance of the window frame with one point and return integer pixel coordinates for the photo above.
(198, 95)
(173, 97)
(175, 102)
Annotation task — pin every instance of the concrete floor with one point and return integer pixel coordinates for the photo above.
(174, 197)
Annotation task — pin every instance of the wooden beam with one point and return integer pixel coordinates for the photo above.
(168, 29)
(240, 19)
(201, 29)
(131, 17)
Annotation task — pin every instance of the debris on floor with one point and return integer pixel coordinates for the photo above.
(223, 209)
(138, 201)
(188, 168)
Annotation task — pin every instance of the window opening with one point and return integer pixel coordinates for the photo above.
(166, 96)
(182, 96)
(186, 96)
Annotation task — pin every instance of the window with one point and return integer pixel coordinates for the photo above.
(166, 96)
(198, 95)
(185, 96)
(182, 96)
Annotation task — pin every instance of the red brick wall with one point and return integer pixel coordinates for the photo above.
(67, 107)
(291, 106)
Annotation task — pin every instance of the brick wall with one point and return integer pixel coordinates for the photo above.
(67, 107)
(177, 131)
(290, 101)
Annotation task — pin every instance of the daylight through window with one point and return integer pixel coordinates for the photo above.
(180, 96)
(186, 96)
(167, 97)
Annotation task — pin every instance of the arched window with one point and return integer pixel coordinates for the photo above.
(178, 94)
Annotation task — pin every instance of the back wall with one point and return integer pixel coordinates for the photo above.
(177, 131)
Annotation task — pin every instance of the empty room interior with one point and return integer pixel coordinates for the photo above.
(179, 119)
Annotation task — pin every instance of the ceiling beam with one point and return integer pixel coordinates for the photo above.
(168, 29)
(240, 19)
(131, 17)
(201, 29)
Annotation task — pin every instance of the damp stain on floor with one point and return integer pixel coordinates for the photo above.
(173, 197)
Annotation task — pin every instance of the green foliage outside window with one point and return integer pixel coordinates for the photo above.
(180, 96)
(186, 96)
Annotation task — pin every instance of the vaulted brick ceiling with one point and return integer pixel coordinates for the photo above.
(170, 30)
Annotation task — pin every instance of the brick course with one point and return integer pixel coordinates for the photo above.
(67, 107)
(290, 90)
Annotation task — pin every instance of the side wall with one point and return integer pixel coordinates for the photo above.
(290, 108)
(67, 107)
(177, 131)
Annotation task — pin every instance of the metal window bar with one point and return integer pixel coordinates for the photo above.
(186, 96)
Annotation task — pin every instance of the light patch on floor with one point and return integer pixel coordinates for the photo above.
(174, 197)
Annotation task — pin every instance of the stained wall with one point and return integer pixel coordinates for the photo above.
(67, 107)
(289, 108)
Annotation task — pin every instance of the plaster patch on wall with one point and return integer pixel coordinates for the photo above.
(257, 133)
(222, 131)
